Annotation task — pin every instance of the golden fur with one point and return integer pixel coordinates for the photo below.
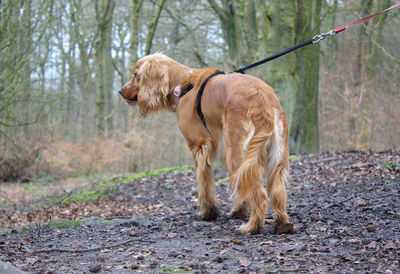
(241, 110)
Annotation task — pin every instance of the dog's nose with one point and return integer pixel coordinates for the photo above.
(120, 91)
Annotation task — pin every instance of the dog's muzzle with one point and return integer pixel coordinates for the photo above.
(132, 102)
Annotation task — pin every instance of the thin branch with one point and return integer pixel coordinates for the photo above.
(218, 10)
(139, 5)
(91, 249)
(385, 52)
(152, 28)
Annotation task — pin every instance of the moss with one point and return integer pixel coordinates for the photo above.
(59, 223)
(86, 195)
(294, 157)
(65, 223)
(105, 188)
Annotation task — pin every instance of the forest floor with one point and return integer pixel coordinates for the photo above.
(345, 207)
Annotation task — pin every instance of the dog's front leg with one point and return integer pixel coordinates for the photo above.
(202, 158)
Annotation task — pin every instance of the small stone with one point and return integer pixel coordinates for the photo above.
(173, 254)
(372, 245)
(193, 264)
(218, 259)
(95, 268)
(186, 249)
(153, 264)
(140, 258)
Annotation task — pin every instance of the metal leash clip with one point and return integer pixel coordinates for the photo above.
(318, 38)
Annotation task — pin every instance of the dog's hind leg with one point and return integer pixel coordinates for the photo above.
(203, 156)
(234, 149)
(278, 169)
(247, 176)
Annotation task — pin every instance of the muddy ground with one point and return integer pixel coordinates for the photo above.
(345, 206)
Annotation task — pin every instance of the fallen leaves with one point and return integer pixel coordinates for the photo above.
(345, 207)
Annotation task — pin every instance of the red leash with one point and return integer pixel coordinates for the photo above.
(364, 19)
(314, 40)
(322, 36)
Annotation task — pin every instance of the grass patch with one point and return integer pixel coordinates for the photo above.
(102, 189)
(30, 187)
(222, 180)
(294, 157)
(65, 223)
(58, 223)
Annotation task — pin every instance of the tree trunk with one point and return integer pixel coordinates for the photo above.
(135, 29)
(104, 72)
(26, 46)
(304, 135)
(227, 16)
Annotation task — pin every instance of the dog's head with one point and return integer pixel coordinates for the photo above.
(150, 84)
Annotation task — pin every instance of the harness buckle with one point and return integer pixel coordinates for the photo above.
(241, 70)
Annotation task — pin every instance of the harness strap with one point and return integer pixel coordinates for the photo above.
(186, 90)
(200, 94)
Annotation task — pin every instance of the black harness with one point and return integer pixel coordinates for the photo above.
(199, 95)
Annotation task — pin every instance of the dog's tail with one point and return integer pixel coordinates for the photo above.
(247, 178)
(278, 169)
(264, 152)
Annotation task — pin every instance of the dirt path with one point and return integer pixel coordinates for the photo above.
(346, 208)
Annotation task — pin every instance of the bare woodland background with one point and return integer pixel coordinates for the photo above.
(62, 63)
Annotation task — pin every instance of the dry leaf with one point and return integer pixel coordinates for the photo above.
(389, 245)
(244, 262)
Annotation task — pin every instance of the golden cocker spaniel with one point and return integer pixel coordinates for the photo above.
(241, 110)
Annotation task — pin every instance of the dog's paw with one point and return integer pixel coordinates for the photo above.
(284, 228)
(238, 214)
(250, 229)
(210, 214)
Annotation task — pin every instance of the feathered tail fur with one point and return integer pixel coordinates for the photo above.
(264, 152)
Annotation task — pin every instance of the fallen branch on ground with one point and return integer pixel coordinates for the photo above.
(91, 249)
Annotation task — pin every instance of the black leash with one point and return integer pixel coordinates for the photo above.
(242, 69)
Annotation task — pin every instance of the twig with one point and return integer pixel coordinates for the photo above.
(293, 269)
(380, 197)
(341, 202)
(326, 160)
(90, 249)
(354, 196)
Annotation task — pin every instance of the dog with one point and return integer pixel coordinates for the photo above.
(239, 109)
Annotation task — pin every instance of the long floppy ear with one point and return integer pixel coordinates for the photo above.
(154, 85)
